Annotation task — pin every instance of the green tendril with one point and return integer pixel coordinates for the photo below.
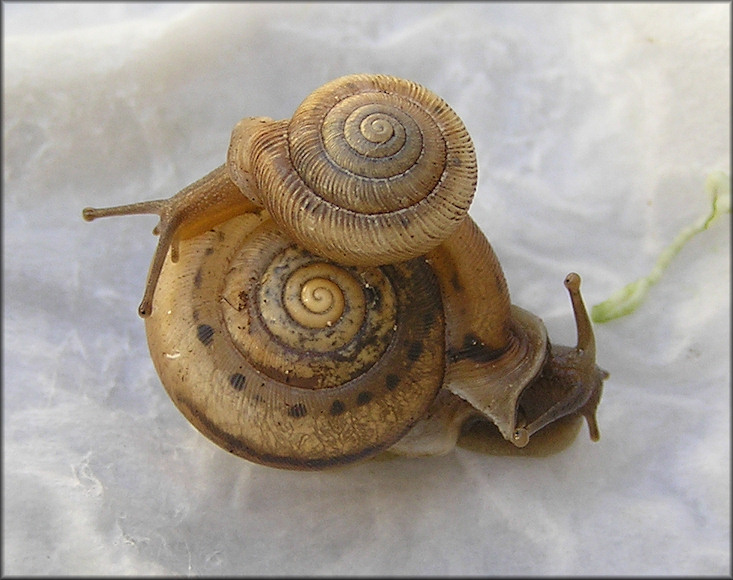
(628, 298)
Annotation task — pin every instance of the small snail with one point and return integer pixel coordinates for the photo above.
(324, 296)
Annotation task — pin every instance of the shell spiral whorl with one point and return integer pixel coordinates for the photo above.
(364, 157)
(310, 306)
(370, 170)
(285, 384)
(312, 299)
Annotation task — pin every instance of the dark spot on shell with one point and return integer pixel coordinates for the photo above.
(237, 446)
(392, 381)
(363, 398)
(414, 351)
(195, 315)
(205, 334)
(337, 407)
(209, 251)
(373, 297)
(278, 270)
(237, 380)
(242, 300)
(297, 410)
(197, 279)
(456, 283)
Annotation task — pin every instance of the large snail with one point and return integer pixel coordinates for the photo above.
(324, 296)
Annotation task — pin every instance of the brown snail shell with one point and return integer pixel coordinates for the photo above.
(286, 382)
(371, 169)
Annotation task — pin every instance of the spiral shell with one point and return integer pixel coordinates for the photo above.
(370, 170)
(291, 360)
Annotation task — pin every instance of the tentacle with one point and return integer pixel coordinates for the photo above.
(211, 200)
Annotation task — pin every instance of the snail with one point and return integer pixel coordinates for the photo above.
(324, 296)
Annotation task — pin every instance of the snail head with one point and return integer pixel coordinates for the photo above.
(570, 381)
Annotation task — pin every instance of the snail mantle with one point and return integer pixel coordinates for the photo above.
(324, 296)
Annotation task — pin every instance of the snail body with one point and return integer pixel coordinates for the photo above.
(323, 296)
